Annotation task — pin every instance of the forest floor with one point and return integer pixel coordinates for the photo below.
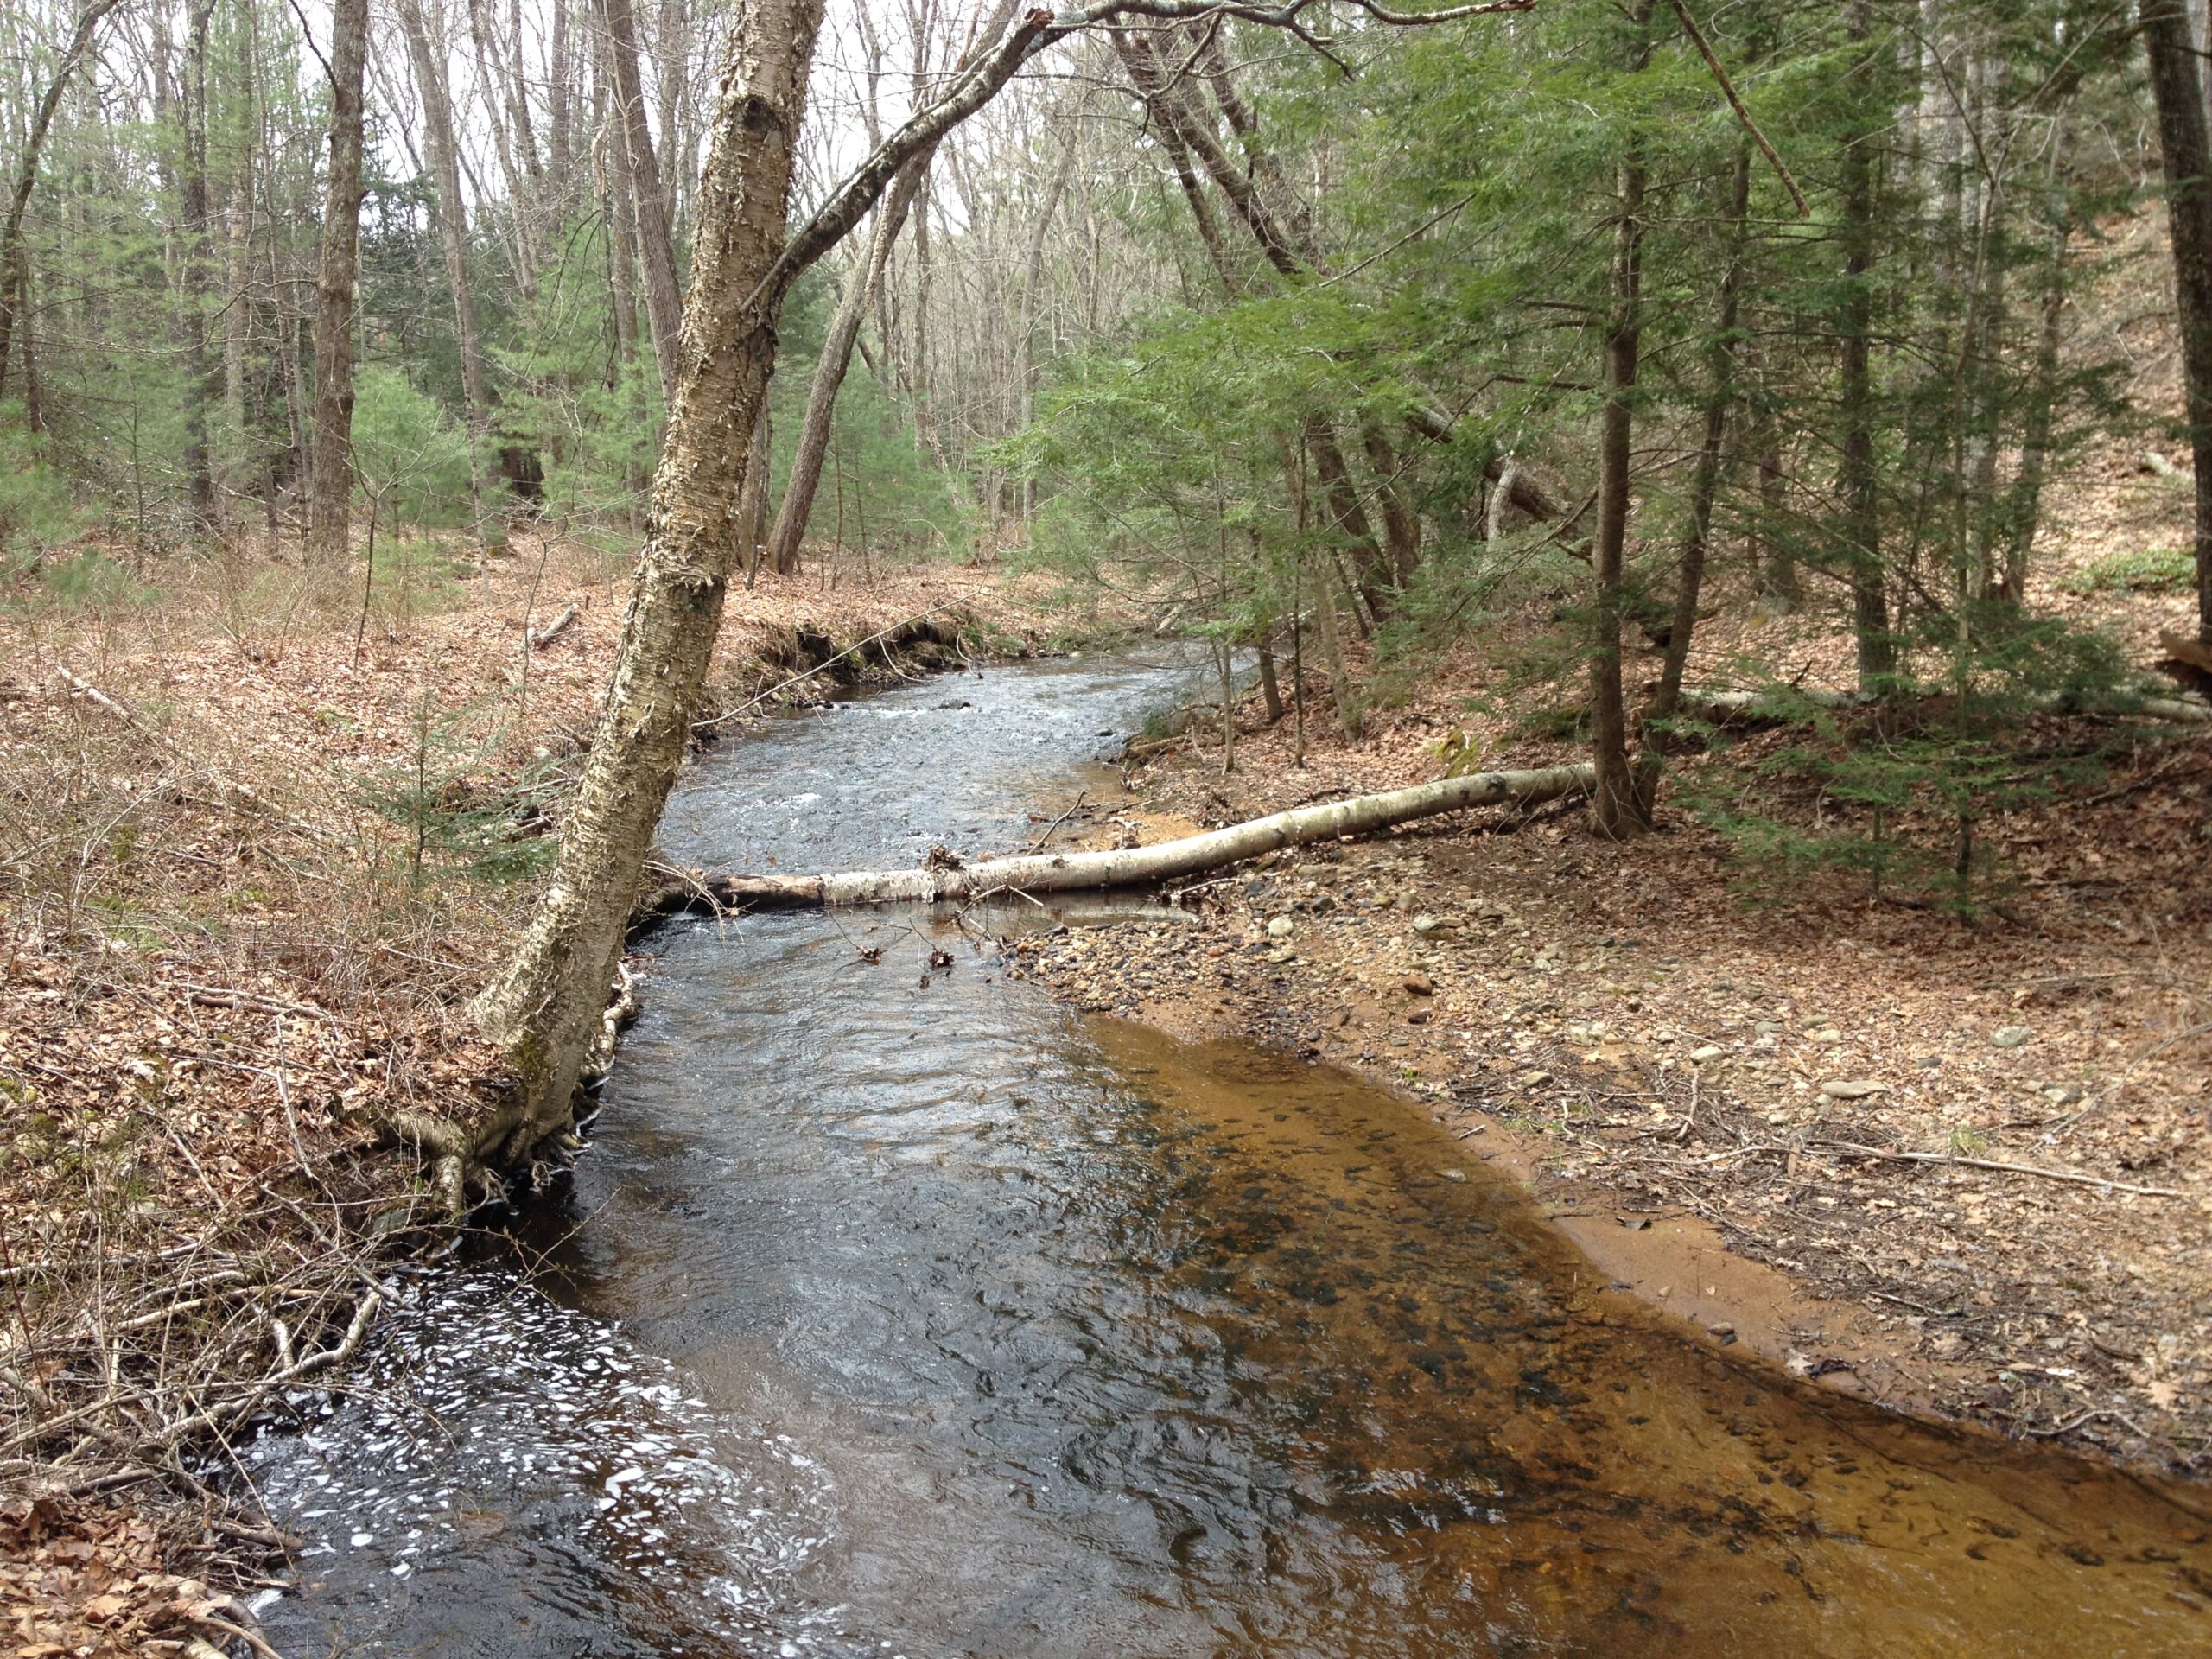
(1773, 1102)
(258, 852)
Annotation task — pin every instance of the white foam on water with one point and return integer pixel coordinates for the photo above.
(484, 1402)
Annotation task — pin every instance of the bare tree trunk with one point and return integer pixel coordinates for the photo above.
(1291, 256)
(1778, 563)
(813, 447)
(1342, 692)
(1704, 482)
(1349, 517)
(753, 496)
(2179, 89)
(508, 116)
(1271, 685)
(560, 159)
(238, 314)
(545, 1007)
(1861, 486)
(1401, 525)
(613, 191)
(452, 235)
(14, 260)
(2023, 505)
(648, 206)
(1032, 276)
(672, 59)
(1617, 806)
(331, 493)
(203, 375)
(34, 390)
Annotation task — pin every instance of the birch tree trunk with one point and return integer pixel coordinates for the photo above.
(544, 1008)
(1167, 861)
(330, 492)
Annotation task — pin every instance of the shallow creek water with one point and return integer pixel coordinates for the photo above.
(895, 1310)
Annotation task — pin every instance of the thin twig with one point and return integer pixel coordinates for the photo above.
(1038, 845)
(2072, 1176)
(1697, 39)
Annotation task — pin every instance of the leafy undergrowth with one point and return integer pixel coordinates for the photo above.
(260, 845)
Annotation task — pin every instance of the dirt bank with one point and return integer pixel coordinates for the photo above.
(261, 847)
(1772, 1111)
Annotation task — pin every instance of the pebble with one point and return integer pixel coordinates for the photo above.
(1419, 984)
(2010, 1036)
(1704, 1055)
(1851, 1088)
(1426, 924)
(1280, 927)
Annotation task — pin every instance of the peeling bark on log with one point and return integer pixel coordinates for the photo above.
(538, 638)
(1749, 707)
(1135, 866)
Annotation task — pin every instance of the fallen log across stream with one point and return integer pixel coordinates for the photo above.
(1125, 866)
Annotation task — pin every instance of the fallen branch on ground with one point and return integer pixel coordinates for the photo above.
(537, 639)
(1725, 707)
(2075, 1177)
(1139, 866)
(236, 797)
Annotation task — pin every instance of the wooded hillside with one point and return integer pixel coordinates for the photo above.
(1798, 412)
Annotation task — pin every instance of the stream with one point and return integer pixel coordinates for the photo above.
(893, 1310)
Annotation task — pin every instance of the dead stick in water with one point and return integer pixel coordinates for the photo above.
(1038, 845)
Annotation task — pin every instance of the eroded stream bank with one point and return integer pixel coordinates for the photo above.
(893, 1310)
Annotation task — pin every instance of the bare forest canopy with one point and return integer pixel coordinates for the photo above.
(1348, 283)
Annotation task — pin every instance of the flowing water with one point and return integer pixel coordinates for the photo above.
(895, 1310)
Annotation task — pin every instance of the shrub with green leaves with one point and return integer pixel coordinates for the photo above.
(2146, 570)
(408, 453)
(39, 508)
(448, 817)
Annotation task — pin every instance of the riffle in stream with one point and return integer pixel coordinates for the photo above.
(893, 1310)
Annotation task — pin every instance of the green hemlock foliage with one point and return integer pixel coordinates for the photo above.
(408, 453)
(449, 819)
(1901, 789)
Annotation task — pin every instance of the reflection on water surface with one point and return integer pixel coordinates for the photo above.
(887, 1317)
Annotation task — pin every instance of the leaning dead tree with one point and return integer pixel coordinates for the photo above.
(1129, 866)
(546, 1009)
